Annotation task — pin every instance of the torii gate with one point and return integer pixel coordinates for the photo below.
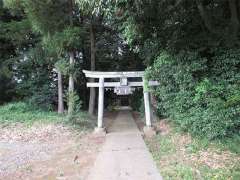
(123, 87)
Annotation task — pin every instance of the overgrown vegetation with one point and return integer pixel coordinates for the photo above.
(192, 49)
(200, 96)
(179, 156)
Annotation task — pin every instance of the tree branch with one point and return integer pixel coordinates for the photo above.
(205, 17)
(177, 3)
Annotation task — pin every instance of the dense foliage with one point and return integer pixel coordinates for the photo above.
(205, 104)
(37, 39)
(192, 49)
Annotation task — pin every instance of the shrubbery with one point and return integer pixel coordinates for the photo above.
(201, 94)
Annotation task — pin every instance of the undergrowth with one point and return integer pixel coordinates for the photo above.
(22, 112)
(180, 156)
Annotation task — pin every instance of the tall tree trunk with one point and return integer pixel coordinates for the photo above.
(60, 93)
(71, 102)
(234, 23)
(85, 90)
(205, 17)
(92, 97)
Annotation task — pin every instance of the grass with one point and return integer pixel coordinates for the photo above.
(232, 144)
(21, 112)
(179, 156)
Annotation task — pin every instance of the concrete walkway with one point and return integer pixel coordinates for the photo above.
(124, 155)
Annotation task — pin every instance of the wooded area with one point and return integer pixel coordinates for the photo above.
(190, 47)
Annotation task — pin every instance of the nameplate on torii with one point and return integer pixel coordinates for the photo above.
(123, 90)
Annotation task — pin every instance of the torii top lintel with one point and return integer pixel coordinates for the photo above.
(100, 74)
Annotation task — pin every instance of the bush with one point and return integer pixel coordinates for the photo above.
(76, 105)
(200, 94)
(37, 81)
(43, 98)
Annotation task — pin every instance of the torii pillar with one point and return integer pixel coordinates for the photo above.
(148, 130)
(100, 128)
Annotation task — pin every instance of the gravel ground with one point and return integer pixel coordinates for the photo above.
(46, 151)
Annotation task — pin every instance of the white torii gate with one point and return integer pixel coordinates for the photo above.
(123, 87)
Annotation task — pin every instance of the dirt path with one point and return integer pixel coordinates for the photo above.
(46, 152)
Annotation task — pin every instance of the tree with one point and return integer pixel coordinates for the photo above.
(94, 12)
(16, 37)
(53, 19)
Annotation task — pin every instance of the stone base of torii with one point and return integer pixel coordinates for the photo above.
(123, 87)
